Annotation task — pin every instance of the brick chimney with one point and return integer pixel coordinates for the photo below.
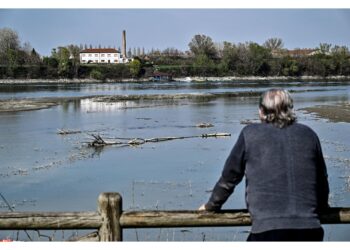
(124, 44)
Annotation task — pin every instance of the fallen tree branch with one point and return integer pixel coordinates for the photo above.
(67, 132)
(100, 142)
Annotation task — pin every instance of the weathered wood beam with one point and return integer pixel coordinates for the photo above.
(154, 219)
(336, 215)
(110, 208)
(149, 219)
(44, 220)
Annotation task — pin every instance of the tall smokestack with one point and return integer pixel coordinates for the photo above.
(124, 44)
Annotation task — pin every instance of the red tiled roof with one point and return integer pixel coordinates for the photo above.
(99, 51)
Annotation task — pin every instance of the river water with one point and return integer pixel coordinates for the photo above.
(41, 170)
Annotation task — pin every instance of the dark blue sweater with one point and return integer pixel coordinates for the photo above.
(286, 177)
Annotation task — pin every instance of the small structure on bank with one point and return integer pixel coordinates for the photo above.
(161, 77)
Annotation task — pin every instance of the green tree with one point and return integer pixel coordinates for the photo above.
(74, 56)
(290, 67)
(9, 45)
(135, 67)
(258, 59)
(62, 55)
(203, 65)
(340, 60)
(96, 74)
(229, 58)
(203, 45)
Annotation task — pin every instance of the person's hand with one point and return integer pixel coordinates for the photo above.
(202, 208)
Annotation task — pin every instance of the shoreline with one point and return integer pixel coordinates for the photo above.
(194, 79)
(30, 104)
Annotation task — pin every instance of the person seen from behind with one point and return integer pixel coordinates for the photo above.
(285, 174)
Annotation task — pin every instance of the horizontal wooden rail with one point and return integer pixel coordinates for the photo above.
(28, 220)
(110, 220)
(184, 219)
(150, 219)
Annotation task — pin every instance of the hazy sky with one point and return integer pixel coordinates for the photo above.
(45, 29)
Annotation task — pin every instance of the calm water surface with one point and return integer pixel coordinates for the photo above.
(43, 171)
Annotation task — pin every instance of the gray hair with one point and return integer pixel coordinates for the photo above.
(276, 107)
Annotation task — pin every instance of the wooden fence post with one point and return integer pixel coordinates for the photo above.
(110, 208)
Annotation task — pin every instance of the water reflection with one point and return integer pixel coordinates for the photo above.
(58, 90)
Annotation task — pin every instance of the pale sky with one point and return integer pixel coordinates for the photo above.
(45, 29)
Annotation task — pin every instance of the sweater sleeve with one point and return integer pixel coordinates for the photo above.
(231, 175)
(322, 179)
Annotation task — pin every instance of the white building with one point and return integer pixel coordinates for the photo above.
(101, 56)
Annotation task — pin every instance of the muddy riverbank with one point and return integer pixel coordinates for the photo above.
(339, 112)
(28, 104)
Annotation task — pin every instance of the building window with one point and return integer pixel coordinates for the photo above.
(90, 55)
(102, 55)
(84, 61)
(115, 55)
(96, 55)
(96, 61)
(109, 55)
(115, 61)
(102, 60)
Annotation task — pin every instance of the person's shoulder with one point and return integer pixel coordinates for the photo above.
(302, 126)
(305, 129)
(253, 127)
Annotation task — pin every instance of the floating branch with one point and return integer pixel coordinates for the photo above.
(248, 121)
(204, 125)
(100, 142)
(67, 132)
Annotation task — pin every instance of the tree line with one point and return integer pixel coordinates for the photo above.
(203, 58)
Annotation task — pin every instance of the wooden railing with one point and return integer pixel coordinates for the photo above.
(110, 220)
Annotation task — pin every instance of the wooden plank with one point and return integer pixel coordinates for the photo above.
(336, 215)
(149, 219)
(154, 219)
(54, 221)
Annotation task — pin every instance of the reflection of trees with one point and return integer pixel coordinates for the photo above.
(96, 152)
(75, 104)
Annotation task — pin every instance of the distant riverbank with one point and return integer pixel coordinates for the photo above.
(178, 79)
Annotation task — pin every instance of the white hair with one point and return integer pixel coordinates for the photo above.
(276, 107)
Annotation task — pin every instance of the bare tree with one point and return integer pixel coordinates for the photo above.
(8, 40)
(325, 48)
(274, 44)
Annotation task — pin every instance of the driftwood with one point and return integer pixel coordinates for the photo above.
(204, 125)
(67, 131)
(100, 142)
(248, 121)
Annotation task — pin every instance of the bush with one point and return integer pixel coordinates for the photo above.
(96, 74)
